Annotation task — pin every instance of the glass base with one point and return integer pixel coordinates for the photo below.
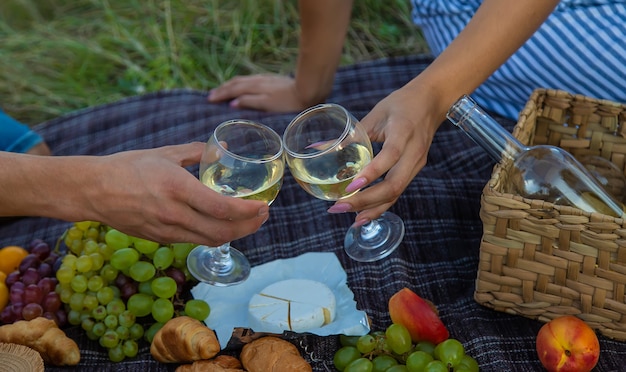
(375, 240)
(218, 266)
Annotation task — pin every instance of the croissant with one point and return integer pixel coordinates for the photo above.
(272, 354)
(221, 363)
(44, 336)
(182, 340)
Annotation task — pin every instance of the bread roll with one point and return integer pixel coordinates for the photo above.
(272, 354)
(182, 340)
(44, 336)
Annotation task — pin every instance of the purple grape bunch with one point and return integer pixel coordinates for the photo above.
(32, 287)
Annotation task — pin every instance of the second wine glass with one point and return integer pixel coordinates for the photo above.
(242, 159)
(325, 148)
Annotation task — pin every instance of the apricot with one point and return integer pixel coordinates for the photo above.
(567, 344)
(10, 258)
(419, 316)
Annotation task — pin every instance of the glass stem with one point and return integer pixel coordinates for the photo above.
(370, 229)
(222, 262)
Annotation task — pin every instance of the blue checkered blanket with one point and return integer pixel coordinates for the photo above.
(439, 255)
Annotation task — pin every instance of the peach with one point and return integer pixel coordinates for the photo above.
(418, 315)
(568, 344)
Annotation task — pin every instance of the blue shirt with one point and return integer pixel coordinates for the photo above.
(16, 137)
(580, 48)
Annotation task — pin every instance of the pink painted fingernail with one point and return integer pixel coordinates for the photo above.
(321, 145)
(234, 103)
(339, 208)
(356, 184)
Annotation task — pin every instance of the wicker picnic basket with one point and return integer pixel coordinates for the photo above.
(541, 260)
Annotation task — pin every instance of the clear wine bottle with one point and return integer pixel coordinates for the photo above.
(541, 172)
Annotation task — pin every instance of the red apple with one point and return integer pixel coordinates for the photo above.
(419, 316)
(567, 344)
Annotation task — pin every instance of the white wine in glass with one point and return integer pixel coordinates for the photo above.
(325, 148)
(327, 176)
(242, 159)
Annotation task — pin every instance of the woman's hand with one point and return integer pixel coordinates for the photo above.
(144, 193)
(406, 121)
(265, 92)
(148, 193)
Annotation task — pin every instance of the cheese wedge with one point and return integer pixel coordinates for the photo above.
(296, 305)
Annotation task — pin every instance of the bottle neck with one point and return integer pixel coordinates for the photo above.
(484, 129)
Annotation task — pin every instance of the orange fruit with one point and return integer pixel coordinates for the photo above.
(3, 277)
(4, 295)
(10, 258)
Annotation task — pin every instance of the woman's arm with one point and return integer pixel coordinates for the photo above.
(324, 25)
(145, 193)
(496, 31)
(407, 119)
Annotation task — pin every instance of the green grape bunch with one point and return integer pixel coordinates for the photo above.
(393, 351)
(121, 289)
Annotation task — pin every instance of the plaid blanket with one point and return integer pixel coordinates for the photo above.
(437, 259)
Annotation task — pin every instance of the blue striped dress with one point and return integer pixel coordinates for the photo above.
(581, 48)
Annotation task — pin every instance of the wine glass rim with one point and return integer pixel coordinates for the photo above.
(275, 156)
(308, 111)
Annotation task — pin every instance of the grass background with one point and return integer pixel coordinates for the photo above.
(57, 56)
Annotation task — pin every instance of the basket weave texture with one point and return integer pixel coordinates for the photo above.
(541, 260)
(19, 358)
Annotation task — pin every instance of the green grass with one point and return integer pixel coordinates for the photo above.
(57, 56)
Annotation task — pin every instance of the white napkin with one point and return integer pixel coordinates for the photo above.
(229, 305)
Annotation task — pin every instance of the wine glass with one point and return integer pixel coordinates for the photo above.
(243, 159)
(325, 148)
